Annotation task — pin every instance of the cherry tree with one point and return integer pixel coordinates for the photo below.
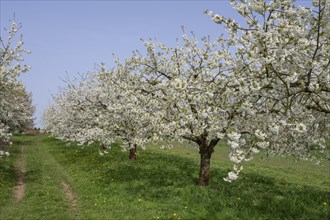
(132, 119)
(283, 50)
(16, 109)
(197, 96)
(266, 86)
(102, 108)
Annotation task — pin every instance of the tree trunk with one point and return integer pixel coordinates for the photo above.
(132, 152)
(103, 147)
(205, 151)
(204, 171)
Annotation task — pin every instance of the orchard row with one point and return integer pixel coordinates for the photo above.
(265, 86)
(16, 109)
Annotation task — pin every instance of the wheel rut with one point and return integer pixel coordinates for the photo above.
(19, 189)
(67, 190)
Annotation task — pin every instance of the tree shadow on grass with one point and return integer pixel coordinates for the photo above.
(157, 169)
(8, 179)
(22, 143)
(172, 179)
(170, 182)
(8, 172)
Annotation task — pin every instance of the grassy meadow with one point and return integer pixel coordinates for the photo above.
(161, 184)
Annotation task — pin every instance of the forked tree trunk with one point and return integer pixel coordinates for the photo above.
(205, 151)
(103, 147)
(132, 152)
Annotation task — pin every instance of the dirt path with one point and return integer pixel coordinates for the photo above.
(19, 189)
(69, 195)
(41, 188)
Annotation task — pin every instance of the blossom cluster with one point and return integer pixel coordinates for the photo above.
(4, 153)
(16, 109)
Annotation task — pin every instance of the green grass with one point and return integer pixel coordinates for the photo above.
(161, 184)
(8, 177)
(43, 194)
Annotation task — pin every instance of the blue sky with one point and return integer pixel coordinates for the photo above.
(71, 37)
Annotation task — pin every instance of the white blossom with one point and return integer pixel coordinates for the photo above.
(16, 109)
(231, 177)
(261, 135)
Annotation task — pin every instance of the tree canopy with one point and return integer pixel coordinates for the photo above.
(16, 109)
(263, 86)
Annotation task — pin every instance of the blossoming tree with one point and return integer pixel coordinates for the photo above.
(199, 99)
(103, 107)
(283, 51)
(16, 109)
(264, 86)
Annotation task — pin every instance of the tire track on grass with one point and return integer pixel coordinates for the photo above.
(60, 179)
(69, 195)
(51, 170)
(19, 189)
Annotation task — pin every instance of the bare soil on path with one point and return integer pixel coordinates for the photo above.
(69, 195)
(19, 189)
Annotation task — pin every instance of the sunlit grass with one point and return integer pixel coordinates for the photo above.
(43, 193)
(162, 184)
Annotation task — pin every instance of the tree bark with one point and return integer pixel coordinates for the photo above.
(132, 152)
(205, 151)
(204, 171)
(103, 147)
